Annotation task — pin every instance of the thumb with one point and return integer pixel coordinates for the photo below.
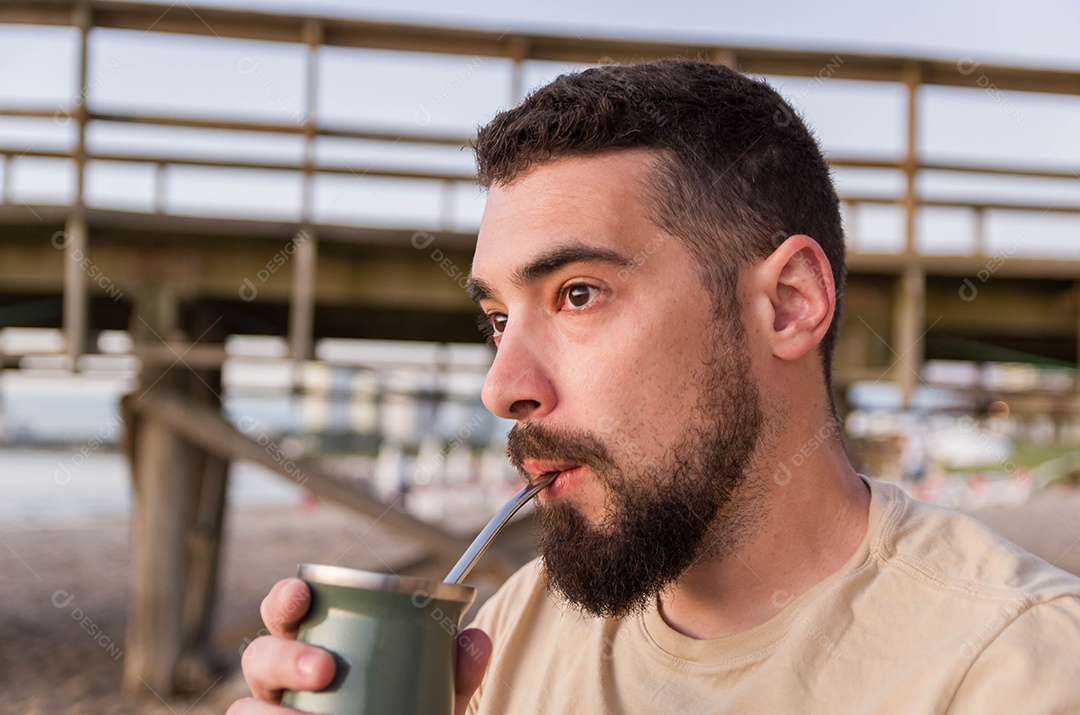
(473, 654)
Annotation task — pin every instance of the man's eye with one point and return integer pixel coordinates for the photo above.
(492, 325)
(579, 295)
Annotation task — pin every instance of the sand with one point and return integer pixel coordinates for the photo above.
(64, 595)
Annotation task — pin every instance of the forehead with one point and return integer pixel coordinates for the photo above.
(599, 201)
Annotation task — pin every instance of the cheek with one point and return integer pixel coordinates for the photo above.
(637, 397)
(597, 392)
(666, 357)
(638, 369)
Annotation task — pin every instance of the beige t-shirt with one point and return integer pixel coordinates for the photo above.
(934, 613)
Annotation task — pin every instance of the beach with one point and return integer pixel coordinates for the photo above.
(65, 589)
(64, 597)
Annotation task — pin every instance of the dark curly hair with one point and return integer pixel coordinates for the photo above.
(737, 173)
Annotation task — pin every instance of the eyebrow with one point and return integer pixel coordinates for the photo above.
(547, 263)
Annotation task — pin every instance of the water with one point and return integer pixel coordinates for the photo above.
(49, 487)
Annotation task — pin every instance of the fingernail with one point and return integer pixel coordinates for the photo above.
(307, 664)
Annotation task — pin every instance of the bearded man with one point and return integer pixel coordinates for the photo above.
(660, 265)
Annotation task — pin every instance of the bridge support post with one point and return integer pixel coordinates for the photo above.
(908, 329)
(178, 515)
(302, 302)
(76, 300)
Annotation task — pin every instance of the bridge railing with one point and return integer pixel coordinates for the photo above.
(519, 51)
(309, 172)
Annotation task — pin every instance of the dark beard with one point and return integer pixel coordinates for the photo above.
(662, 517)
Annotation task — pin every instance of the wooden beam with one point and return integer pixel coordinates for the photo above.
(908, 329)
(159, 560)
(302, 300)
(370, 34)
(211, 431)
(81, 18)
(160, 469)
(836, 160)
(910, 164)
(204, 540)
(76, 310)
(178, 513)
(287, 128)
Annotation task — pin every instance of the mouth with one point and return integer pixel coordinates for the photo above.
(559, 476)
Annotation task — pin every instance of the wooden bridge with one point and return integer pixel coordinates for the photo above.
(180, 283)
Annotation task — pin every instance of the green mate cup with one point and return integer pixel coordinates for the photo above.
(393, 639)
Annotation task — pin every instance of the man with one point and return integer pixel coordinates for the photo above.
(660, 265)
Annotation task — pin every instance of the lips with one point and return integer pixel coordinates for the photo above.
(537, 468)
(565, 471)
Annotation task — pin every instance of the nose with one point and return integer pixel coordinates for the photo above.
(519, 383)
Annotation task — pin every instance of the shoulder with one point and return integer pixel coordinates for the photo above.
(1012, 619)
(1027, 661)
(955, 552)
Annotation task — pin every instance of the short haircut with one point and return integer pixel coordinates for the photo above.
(738, 170)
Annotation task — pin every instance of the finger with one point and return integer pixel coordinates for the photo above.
(473, 655)
(284, 606)
(272, 664)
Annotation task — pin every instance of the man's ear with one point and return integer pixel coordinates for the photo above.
(797, 281)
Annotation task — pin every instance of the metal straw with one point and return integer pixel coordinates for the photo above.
(484, 538)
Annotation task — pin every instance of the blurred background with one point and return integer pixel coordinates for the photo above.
(234, 334)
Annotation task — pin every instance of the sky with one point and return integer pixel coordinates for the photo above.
(1037, 32)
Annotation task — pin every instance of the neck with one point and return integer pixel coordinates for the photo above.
(810, 519)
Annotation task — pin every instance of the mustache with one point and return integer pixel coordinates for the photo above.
(532, 441)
